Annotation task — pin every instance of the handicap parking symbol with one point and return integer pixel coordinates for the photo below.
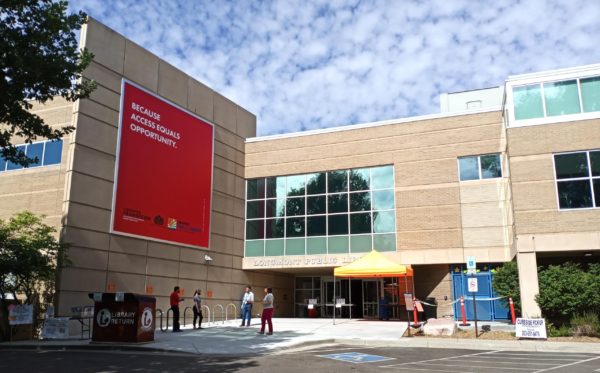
(356, 357)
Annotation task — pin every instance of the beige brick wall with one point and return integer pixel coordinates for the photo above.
(533, 183)
(101, 259)
(433, 281)
(39, 189)
(433, 207)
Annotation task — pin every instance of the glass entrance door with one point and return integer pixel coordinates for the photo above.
(371, 298)
(329, 297)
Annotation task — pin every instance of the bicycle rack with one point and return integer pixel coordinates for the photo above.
(207, 312)
(222, 313)
(234, 311)
(184, 312)
(161, 319)
(169, 310)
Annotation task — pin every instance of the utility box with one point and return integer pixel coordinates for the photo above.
(123, 317)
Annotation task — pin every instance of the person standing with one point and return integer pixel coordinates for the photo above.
(175, 299)
(247, 303)
(267, 313)
(197, 309)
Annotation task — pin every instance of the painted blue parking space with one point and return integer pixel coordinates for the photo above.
(356, 357)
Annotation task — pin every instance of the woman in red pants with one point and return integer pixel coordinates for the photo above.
(267, 313)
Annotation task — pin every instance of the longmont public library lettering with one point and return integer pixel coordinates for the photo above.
(165, 183)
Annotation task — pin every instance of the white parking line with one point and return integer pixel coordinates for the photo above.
(509, 362)
(429, 370)
(567, 365)
(544, 354)
(525, 358)
(483, 367)
(444, 358)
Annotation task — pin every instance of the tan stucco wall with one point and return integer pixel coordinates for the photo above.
(439, 219)
(130, 264)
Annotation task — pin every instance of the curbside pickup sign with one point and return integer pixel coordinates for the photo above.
(531, 328)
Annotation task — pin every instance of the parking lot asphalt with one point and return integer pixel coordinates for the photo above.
(323, 358)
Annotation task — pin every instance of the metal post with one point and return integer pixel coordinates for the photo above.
(475, 314)
(334, 304)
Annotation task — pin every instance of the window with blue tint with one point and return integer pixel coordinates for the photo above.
(2, 164)
(360, 201)
(360, 179)
(294, 227)
(53, 152)
(382, 177)
(316, 205)
(337, 203)
(276, 187)
(480, 167)
(595, 163)
(340, 204)
(295, 206)
(256, 189)
(562, 98)
(296, 185)
(469, 168)
(569, 166)
(275, 208)
(384, 221)
(15, 166)
(255, 229)
(35, 152)
(315, 183)
(490, 166)
(337, 181)
(316, 226)
(383, 199)
(338, 224)
(275, 228)
(590, 94)
(255, 209)
(360, 223)
(528, 102)
(578, 179)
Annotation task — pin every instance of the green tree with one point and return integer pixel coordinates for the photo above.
(29, 256)
(506, 284)
(39, 60)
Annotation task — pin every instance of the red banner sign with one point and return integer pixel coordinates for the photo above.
(163, 179)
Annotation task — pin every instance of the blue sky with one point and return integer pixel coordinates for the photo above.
(302, 65)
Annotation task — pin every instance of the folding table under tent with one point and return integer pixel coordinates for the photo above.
(373, 265)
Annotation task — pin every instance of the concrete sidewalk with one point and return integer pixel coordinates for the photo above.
(297, 334)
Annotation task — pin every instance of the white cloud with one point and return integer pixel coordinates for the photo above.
(313, 64)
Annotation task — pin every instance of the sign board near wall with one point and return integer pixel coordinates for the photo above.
(20, 314)
(530, 328)
(163, 176)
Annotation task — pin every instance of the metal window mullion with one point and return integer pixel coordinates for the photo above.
(542, 92)
(42, 161)
(580, 95)
(348, 210)
(326, 214)
(479, 167)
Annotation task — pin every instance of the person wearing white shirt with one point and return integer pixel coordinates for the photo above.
(247, 303)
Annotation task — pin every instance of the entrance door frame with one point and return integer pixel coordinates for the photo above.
(378, 287)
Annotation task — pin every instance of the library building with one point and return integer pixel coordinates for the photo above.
(164, 183)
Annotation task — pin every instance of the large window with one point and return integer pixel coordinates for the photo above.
(46, 153)
(479, 167)
(550, 99)
(578, 179)
(340, 211)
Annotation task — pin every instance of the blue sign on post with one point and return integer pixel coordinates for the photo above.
(471, 265)
(356, 357)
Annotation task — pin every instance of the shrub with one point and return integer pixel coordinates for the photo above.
(567, 290)
(586, 324)
(506, 284)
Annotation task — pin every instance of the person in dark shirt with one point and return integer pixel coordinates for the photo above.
(175, 299)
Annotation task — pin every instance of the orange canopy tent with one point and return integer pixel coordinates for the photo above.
(374, 264)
